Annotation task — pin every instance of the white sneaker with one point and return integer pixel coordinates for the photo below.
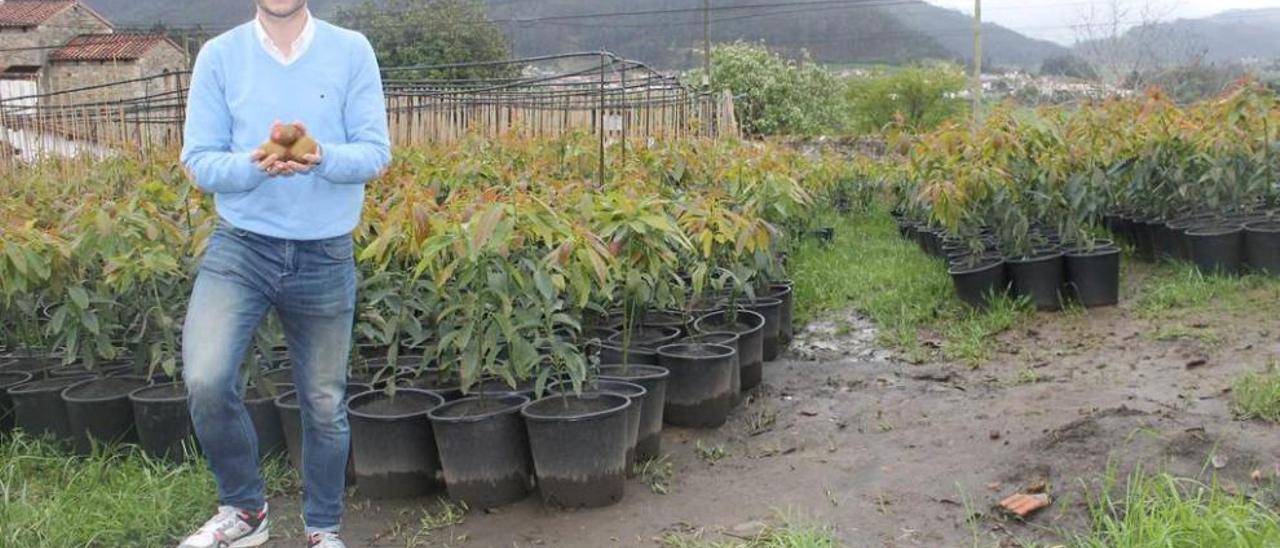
(230, 528)
(324, 540)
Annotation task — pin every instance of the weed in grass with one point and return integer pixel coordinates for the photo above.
(898, 287)
(1167, 511)
(1180, 332)
(790, 535)
(432, 524)
(1257, 395)
(1180, 286)
(1024, 377)
(657, 474)
(49, 498)
(762, 420)
(711, 454)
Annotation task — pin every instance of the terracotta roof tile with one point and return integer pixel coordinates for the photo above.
(107, 47)
(30, 13)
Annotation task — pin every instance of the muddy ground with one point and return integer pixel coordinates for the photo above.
(847, 435)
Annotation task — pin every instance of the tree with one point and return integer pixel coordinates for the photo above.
(919, 97)
(774, 95)
(434, 32)
(1069, 66)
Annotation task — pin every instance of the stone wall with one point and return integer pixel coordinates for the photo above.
(55, 32)
(161, 59)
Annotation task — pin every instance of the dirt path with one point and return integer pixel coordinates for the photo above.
(888, 453)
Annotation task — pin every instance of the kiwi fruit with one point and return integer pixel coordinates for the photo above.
(303, 146)
(271, 147)
(289, 143)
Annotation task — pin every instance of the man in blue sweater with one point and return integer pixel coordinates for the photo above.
(283, 242)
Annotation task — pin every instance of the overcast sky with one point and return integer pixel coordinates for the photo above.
(1059, 20)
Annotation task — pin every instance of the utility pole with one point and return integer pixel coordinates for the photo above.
(706, 43)
(976, 89)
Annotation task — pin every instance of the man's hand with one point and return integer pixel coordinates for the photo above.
(265, 163)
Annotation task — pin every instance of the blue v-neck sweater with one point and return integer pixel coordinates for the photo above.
(238, 90)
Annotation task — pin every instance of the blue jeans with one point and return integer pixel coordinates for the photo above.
(312, 286)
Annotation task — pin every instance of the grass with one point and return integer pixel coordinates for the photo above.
(904, 291)
(711, 454)
(1257, 395)
(657, 474)
(48, 498)
(1179, 286)
(1169, 512)
(432, 525)
(790, 535)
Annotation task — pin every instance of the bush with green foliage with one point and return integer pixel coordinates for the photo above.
(774, 95)
(918, 98)
(434, 32)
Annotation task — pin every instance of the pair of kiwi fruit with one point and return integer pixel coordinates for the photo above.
(289, 142)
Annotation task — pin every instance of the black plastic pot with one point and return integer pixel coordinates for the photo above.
(260, 403)
(976, 284)
(484, 450)
(9, 379)
(392, 445)
(99, 409)
(1144, 239)
(499, 387)
(662, 319)
(592, 338)
(1217, 249)
(771, 309)
(699, 391)
(1178, 231)
(279, 375)
(431, 379)
(1165, 242)
(579, 447)
(163, 421)
(1094, 275)
(750, 329)
(38, 408)
(611, 353)
(79, 370)
(1262, 246)
(730, 339)
(785, 292)
(635, 392)
(647, 337)
(825, 234)
(1040, 278)
(1124, 228)
(38, 366)
(654, 380)
(378, 377)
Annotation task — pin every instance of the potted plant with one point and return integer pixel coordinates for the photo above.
(393, 447)
(1092, 264)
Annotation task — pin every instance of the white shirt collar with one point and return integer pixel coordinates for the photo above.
(299, 46)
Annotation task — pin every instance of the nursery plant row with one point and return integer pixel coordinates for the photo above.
(512, 304)
(1034, 204)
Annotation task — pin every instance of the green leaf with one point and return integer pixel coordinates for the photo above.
(79, 296)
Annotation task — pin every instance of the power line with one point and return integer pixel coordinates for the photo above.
(210, 27)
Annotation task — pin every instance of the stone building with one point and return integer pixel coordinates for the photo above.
(31, 29)
(59, 45)
(94, 60)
